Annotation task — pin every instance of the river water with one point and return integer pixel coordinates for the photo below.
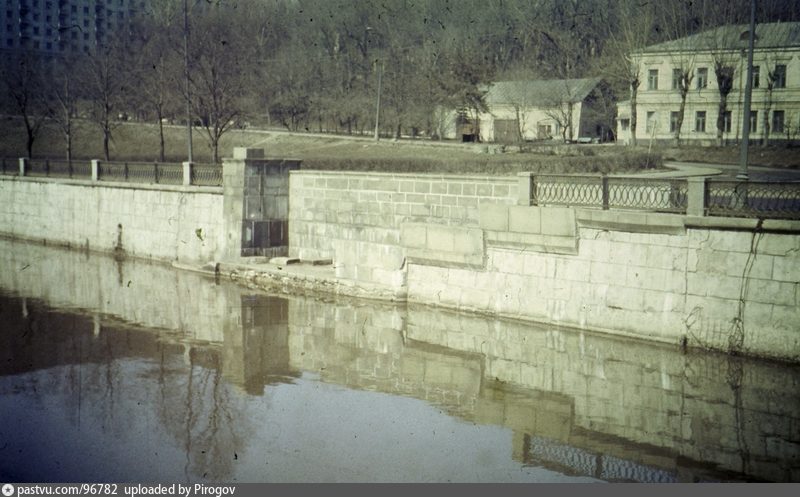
(127, 371)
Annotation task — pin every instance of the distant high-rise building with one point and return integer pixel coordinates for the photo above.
(62, 26)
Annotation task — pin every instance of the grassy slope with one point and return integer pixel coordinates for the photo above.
(140, 142)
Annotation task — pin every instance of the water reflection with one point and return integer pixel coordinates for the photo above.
(139, 372)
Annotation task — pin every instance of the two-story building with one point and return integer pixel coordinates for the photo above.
(687, 73)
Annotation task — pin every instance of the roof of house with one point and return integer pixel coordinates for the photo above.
(541, 93)
(734, 37)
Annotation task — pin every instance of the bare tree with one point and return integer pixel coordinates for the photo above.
(61, 108)
(219, 78)
(773, 76)
(104, 82)
(632, 33)
(561, 110)
(22, 81)
(157, 73)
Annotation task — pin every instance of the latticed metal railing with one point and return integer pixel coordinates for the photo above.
(207, 174)
(128, 172)
(753, 199)
(604, 192)
(585, 191)
(55, 168)
(9, 167)
(648, 194)
(141, 172)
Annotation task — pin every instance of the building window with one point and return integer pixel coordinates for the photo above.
(624, 124)
(756, 76)
(777, 121)
(676, 79)
(779, 76)
(651, 122)
(652, 79)
(700, 121)
(726, 121)
(702, 77)
(673, 122)
(753, 121)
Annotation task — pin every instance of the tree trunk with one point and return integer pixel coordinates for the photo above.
(31, 138)
(767, 108)
(106, 134)
(160, 135)
(723, 107)
(679, 123)
(68, 140)
(634, 95)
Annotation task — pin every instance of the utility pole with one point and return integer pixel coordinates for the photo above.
(748, 91)
(186, 75)
(378, 105)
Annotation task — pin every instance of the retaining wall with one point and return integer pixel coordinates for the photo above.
(355, 218)
(149, 221)
(460, 242)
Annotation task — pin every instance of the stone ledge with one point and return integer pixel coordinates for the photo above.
(303, 279)
(455, 261)
(746, 224)
(548, 244)
(633, 222)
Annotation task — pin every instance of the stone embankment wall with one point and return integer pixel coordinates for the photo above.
(182, 223)
(461, 242)
(355, 218)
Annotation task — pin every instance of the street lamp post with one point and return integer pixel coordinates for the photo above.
(748, 91)
(186, 75)
(378, 104)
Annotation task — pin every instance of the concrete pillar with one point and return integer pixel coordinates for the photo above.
(526, 188)
(23, 165)
(95, 170)
(187, 173)
(696, 201)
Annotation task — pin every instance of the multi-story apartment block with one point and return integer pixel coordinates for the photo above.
(710, 67)
(61, 26)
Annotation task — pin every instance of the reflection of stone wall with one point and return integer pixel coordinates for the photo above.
(701, 407)
(153, 295)
(568, 396)
(150, 221)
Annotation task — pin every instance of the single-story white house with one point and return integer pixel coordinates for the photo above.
(527, 110)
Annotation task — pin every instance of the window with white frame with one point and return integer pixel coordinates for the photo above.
(779, 76)
(777, 121)
(702, 77)
(700, 121)
(652, 79)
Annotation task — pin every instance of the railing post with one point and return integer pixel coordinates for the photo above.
(696, 196)
(155, 172)
(187, 173)
(604, 186)
(95, 170)
(23, 165)
(527, 188)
